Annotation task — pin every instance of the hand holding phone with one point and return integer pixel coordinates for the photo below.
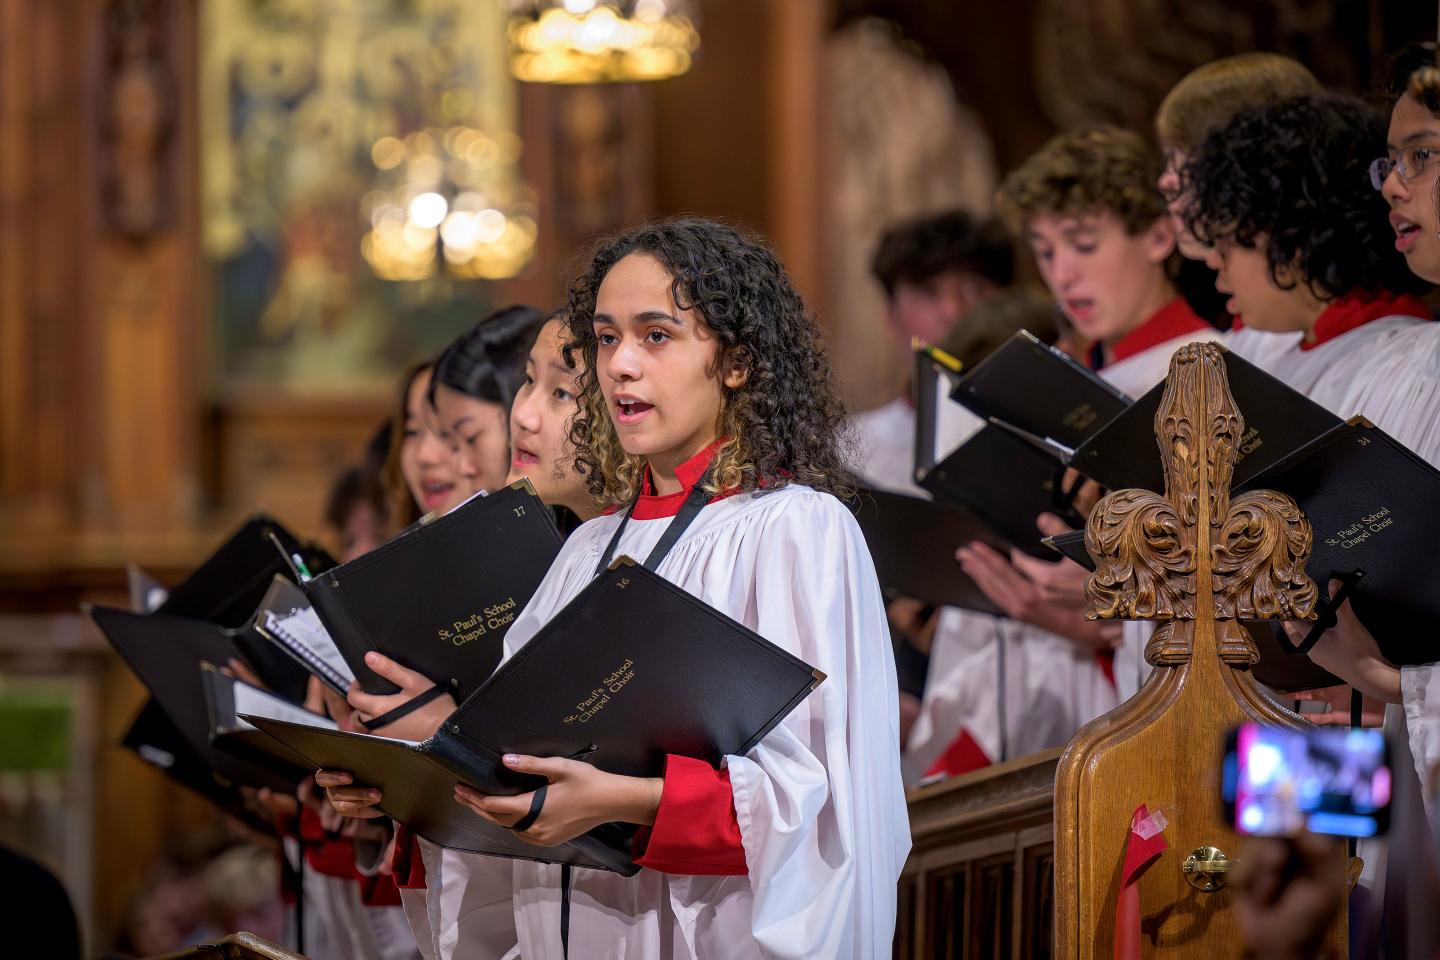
(1277, 782)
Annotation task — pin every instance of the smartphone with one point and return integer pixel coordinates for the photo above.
(1334, 780)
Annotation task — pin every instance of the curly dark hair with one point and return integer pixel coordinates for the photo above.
(1412, 70)
(950, 242)
(1293, 172)
(784, 425)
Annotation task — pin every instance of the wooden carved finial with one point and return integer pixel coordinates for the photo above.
(1158, 557)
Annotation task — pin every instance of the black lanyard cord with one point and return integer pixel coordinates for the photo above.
(689, 510)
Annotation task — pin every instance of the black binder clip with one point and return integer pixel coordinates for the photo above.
(1326, 616)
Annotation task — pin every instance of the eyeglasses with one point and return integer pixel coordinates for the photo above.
(1409, 163)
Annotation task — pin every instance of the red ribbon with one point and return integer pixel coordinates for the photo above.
(1140, 852)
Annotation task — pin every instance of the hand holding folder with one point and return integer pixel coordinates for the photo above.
(440, 597)
(631, 670)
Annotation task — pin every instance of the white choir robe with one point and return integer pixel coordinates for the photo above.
(1396, 386)
(1051, 687)
(819, 801)
(885, 440)
(339, 926)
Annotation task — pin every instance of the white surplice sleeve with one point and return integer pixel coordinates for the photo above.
(819, 801)
(1399, 391)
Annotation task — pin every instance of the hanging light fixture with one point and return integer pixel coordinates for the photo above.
(600, 41)
(448, 196)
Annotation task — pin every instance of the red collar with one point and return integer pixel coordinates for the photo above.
(1175, 319)
(651, 506)
(1357, 308)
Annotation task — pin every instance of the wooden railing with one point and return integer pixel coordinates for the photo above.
(979, 884)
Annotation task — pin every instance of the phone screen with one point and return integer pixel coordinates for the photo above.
(1332, 780)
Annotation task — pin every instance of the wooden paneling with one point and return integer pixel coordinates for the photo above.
(979, 881)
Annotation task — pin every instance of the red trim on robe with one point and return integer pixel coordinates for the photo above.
(654, 507)
(407, 867)
(379, 890)
(1356, 309)
(696, 832)
(963, 755)
(324, 853)
(1175, 319)
(651, 506)
(1105, 660)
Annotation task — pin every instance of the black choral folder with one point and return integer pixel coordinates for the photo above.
(630, 670)
(440, 597)
(1372, 505)
(1004, 481)
(228, 586)
(226, 698)
(1278, 419)
(166, 653)
(1039, 389)
(286, 619)
(155, 739)
(913, 544)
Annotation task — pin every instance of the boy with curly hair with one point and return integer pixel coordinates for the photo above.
(1089, 207)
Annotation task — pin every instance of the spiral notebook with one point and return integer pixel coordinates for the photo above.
(286, 619)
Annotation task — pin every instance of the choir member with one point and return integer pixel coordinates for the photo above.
(1089, 208)
(1302, 248)
(1204, 100)
(446, 453)
(472, 387)
(705, 383)
(540, 421)
(935, 271)
(1402, 389)
(984, 329)
(419, 475)
(540, 450)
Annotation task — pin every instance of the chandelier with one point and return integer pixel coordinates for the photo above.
(600, 41)
(448, 200)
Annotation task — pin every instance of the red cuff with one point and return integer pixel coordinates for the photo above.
(695, 832)
(407, 867)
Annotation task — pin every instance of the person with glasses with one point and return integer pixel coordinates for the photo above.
(1406, 174)
(1281, 197)
(1406, 177)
